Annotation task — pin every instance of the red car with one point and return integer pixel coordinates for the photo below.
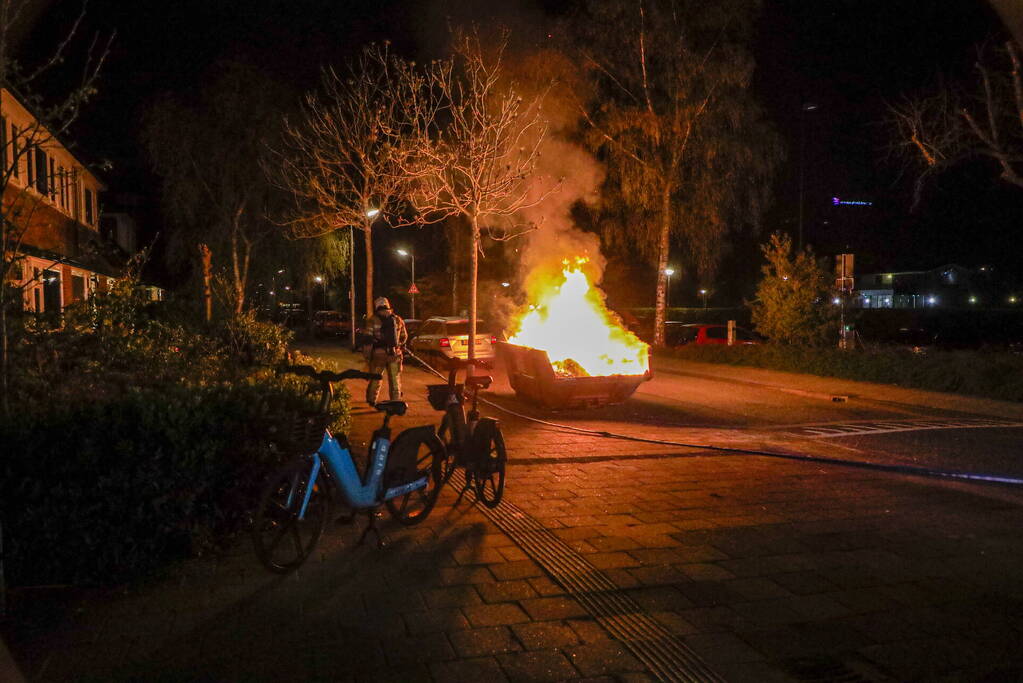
(680, 334)
(330, 324)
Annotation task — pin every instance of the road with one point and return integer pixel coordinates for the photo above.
(718, 406)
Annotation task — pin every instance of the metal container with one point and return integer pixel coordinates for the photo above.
(533, 379)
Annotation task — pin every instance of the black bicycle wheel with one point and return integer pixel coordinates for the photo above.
(446, 433)
(414, 507)
(283, 541)
(488, 465)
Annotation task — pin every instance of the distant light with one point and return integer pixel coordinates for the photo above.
(372, 212)
(932, 300)
(669, 271)
(809, 106)
(318, 278)
(280, 271)
(272, 292)
(506, 284)
(401, 252)
(836, 301)
(835, 201)
(703, 291)
(973, 299)
(784, 277)
(287, 288)
(1012, 299)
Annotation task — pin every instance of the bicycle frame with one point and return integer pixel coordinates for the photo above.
(358, 493)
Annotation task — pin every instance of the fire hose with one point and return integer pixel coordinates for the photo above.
(799, 457)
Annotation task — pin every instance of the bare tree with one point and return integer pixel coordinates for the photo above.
(207, 152)
(53, 117)
(690, 155)
(478, 165)
(943, 128)
(338, 158)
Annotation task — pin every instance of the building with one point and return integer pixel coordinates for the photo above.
(950, 286)
(51, 200)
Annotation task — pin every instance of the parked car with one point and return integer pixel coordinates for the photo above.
(331, 324)
(443, 338)
(412, 326)
(680, 334)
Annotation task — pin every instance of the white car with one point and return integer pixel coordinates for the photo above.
(444, 338)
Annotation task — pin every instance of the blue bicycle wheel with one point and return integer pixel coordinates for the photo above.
(282, 541)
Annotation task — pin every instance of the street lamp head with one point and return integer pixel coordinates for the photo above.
(809, 106)
(280, 271)
(401, 252)
(669, 271)
(372, 212)
(703, 291)
(318, 278)
(506, 284)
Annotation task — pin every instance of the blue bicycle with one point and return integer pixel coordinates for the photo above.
(298, 500)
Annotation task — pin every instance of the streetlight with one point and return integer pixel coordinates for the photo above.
(667, 287)
(703, 293)
(323, 284)
(807, 106)
(412, 289)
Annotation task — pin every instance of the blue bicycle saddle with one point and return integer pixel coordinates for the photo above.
(392, 407)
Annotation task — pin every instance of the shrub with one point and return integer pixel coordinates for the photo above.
(793, 304)
(135, 439)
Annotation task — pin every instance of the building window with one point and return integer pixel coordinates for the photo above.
(88, 206)
(14, 151)
(3, 143)
(53, 181)
(41, 173)
(77, 287)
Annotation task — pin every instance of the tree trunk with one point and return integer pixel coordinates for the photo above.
(455, 251)
(368, 233)
(207, 281)
(663, 246)
(474, 263)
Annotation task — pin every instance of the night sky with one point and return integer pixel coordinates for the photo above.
(846, 56)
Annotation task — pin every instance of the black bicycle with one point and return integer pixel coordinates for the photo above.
(473, 443)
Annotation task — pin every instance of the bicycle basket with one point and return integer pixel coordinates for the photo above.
(438, 395)
(299, 432)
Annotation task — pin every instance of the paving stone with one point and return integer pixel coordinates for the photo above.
(588, 630)
(757, 588)
(603, 658)
(522, 569)
(702, 571)
(612, 543)
(499, 614)
(545, 635)
(478, 669)
(506, 591)
(722, 647)
(456, 576)
(545, 586)
(803, 583)
(612, 560)
(452, 596)
(552, 609)
(537, 665)
(435, 620)
(431, 647)
(478, 642)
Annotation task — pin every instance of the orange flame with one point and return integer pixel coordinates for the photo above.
(571, 322)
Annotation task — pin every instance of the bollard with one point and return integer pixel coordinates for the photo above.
(731, 333)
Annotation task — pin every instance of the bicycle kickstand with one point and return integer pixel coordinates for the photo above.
(372, 526)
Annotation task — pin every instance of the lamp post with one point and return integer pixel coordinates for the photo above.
(412, 258)
(667, 287)
(703, 293)
(807, 106)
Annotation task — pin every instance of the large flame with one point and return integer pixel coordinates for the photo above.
(580, 335)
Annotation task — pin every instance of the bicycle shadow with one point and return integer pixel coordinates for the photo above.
(362, 610)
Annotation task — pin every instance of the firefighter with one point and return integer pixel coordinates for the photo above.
(384, 351)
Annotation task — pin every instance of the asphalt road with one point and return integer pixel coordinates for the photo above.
(705, 405)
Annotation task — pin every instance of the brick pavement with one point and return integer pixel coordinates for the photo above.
(768, 570)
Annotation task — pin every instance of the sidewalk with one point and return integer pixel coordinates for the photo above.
(742, 568)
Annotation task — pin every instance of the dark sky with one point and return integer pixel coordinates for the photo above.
(846, 56)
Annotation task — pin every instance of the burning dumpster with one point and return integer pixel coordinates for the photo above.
(567, 349)
(535, 379)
